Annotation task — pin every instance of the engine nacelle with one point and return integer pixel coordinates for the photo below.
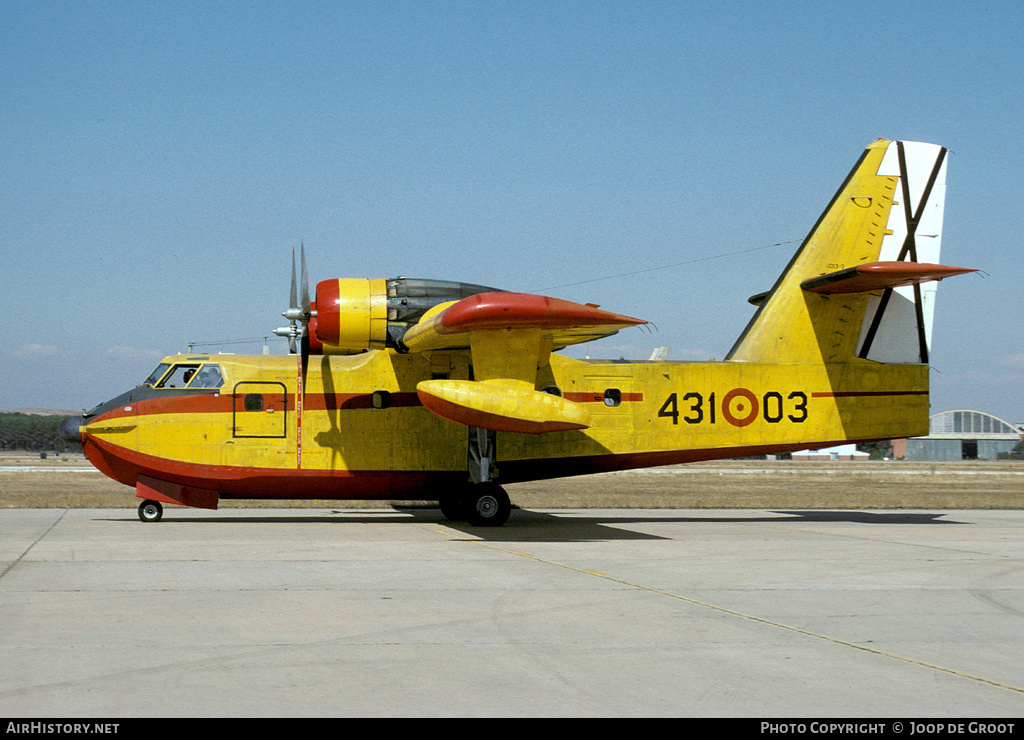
(351, 315)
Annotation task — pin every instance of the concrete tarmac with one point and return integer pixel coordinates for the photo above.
(609, 613)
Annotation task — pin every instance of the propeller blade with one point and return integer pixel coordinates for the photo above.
(305, 285)
(294, 298)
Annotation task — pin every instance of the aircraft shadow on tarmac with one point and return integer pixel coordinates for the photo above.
(526, 525)
(534, 526)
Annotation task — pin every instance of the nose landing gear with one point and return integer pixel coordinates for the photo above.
(151, 511)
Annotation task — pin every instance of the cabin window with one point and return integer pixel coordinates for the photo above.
(380, 399)
(253, 402)
(612, 397)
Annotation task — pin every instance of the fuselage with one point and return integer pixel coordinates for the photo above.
(353, 427)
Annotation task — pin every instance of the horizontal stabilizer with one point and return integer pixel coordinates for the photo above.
(501, 407)
(879, 276)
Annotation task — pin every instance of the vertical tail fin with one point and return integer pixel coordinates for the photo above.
(862, 284)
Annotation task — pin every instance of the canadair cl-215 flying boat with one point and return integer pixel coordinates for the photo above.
(423, 389)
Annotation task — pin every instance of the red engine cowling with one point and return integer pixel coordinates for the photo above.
(351, 316)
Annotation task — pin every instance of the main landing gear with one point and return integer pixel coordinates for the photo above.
(482, 505)
(487, 505)
(151, 511)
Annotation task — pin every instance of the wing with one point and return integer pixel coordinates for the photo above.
(510, 336)
(450, 325)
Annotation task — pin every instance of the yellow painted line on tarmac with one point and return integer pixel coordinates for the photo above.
(754, 618)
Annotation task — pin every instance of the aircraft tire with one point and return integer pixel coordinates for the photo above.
(151, 511)
(453, 508)
(487, 505)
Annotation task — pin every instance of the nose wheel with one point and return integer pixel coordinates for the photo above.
(150, 511)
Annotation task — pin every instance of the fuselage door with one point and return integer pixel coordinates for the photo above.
(260, 410)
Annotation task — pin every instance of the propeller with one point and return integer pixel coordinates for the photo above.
(299, 313)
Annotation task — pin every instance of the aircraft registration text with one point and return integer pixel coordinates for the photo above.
(738, 407)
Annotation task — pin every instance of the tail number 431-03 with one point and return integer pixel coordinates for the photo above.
(738, 407)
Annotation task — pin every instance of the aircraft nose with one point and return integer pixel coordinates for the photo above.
(68, 429)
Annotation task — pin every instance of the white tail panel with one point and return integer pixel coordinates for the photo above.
(897, 325)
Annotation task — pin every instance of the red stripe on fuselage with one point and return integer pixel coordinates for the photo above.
(865, 394)
(201, 403)
(599, 397)
(351, 401)
(223, 403)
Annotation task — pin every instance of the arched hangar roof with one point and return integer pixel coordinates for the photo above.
(960, 423)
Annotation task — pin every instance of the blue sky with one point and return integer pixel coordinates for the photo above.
(161, 160)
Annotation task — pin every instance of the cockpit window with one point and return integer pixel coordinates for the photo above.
(178, 377)
(154, 376)
(208, 377)
(192, 375)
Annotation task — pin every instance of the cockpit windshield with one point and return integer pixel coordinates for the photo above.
(191, 375)
(155, 376)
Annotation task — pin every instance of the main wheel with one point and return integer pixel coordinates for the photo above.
(150, 511)
(487, 505)
(453, 508)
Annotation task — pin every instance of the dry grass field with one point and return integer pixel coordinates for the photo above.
(69, 482)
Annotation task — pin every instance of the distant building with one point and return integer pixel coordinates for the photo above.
(961, 434)
(840, 452)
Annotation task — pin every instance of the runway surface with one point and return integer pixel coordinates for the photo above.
(377, 612)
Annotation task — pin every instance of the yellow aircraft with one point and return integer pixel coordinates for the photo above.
(422, 389)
